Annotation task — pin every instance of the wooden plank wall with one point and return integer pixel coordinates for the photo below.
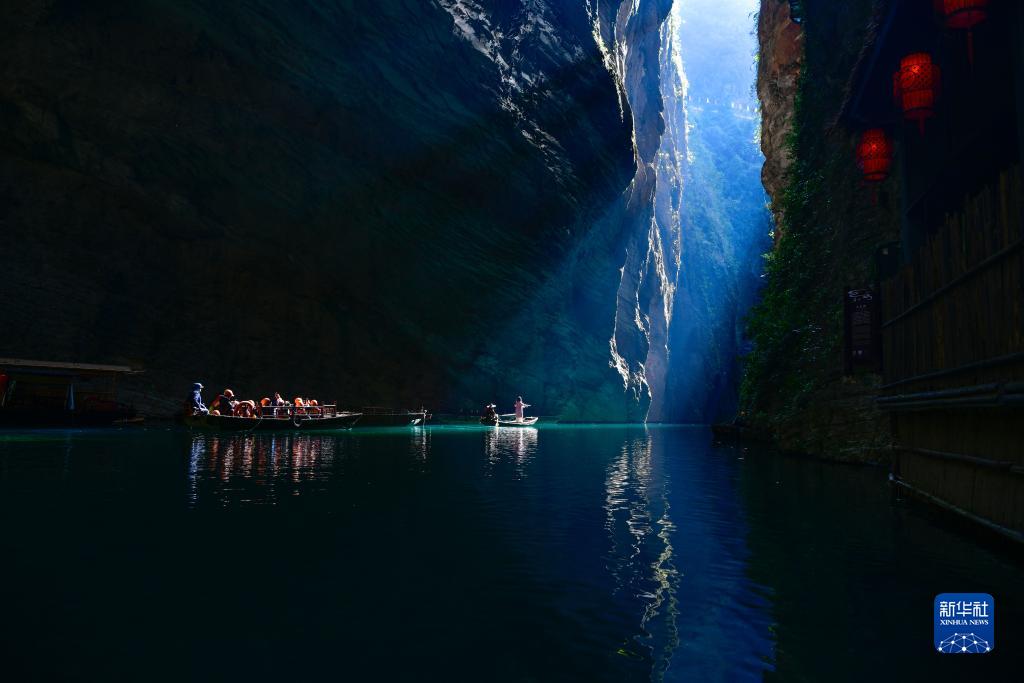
(953, 358)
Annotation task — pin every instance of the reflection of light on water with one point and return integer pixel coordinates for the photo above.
(196, 452)
(630, 490)
(626, 507)
(518, 444)
(666, 576)
(258, 462)
(419, 444)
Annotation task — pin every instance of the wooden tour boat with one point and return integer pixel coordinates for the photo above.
(286, 418)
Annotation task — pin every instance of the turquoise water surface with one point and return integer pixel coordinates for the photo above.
(465, 553)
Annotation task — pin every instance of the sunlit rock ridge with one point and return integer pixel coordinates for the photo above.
(441, 203)
(645, 63)
(637, 238)
(694, 217)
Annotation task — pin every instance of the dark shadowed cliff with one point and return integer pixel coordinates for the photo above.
(434, 203)
(368, 205)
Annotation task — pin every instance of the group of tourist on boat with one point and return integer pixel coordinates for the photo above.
(228, 406)
(229, 412)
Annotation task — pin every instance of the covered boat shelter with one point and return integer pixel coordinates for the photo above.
(49, 393)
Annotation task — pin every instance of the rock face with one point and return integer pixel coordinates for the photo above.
(778, 73)
(598, 345)
(441, 203)
(795, 385)
(642, 43)
(391, 206)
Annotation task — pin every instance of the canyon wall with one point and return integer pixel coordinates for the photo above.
(440, 203)
(829, 224)
(596, 342)
(414, 203)
(639, 346)
(694, 220)
(719, 204)
(780, 41)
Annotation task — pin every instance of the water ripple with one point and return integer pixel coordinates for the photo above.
(584, 553)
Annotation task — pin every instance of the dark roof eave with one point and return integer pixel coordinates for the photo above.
(54, 367)
(865, 67)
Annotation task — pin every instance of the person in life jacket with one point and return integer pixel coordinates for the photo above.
(225, 403)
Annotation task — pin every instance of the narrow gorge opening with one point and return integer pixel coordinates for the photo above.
(693, 260)
(724, 221)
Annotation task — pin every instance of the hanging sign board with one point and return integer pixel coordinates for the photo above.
(862, 317)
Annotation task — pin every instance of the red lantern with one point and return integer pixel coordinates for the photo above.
(964, 15)
(916, 87)
(874, 155)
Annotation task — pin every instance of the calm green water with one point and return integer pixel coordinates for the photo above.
(559, 553)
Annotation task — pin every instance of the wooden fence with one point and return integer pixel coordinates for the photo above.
(959, 302)
(953, 360)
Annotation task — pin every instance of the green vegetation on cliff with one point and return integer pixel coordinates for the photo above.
(832, 226)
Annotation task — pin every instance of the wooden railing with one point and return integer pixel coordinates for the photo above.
(959, 303)
(289, 411)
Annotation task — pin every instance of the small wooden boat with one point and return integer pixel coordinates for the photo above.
(527, 422)
(504, 421)
(286, 419)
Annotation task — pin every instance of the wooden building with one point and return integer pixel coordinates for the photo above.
(945, 82)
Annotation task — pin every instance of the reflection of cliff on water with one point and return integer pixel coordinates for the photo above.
(641, 559)
(677, 556)
(515, 444)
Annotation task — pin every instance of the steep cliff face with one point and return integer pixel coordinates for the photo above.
(378, 206)
(594, 337)
(639, 344)
(781, 52)
(794, 384)
(445, 202)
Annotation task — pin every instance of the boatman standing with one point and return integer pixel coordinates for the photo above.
(195, 403)
(519, 408)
